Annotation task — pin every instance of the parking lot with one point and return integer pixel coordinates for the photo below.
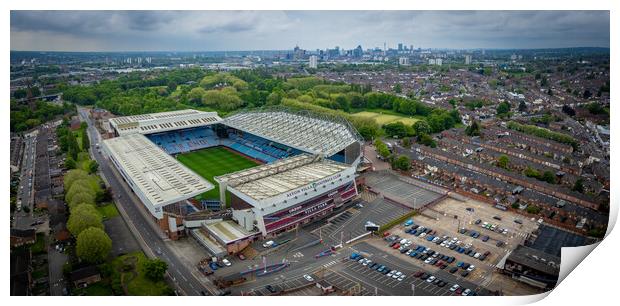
(351, 223)
(381, 255)
(459, 224)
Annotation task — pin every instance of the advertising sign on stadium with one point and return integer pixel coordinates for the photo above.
(313, 185)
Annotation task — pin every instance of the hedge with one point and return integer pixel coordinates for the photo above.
(398, 220)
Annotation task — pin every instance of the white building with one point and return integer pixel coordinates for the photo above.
(435, 61)
(467, 59)
(403, 61)
(313, 62)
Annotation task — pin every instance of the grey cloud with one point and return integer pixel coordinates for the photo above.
(247, 30)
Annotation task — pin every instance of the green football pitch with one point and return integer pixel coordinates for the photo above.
(212, 162)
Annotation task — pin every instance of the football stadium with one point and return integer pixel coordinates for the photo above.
(230, 181)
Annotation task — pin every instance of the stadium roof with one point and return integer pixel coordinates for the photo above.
(270, 180)
(304, 131)
(160, 178)
(166, 121)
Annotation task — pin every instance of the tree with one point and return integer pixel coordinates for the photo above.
(406, 142)
(421, 127)
(402, 163)
(568, 110)
(578, 186)
(93, 245)
(396, 129)
(473, 129)
(154, 269)
(533, 209)
(82, 217)
(81, 198)
(549, 177)
(74, 176)
(427, 140)
(503, 109)
(92, 166)
(503, 161)
(85, 140)
(522, 106)
(382, 149)
(70, 163)
(398, 89)
(77, 188)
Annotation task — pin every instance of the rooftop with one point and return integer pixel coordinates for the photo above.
(304, 131)
(165, 121)
(227, 231)
(270, 180)
(161, 178)
(536, 259)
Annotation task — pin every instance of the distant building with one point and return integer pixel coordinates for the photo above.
(313, 62)
(403, 61)
(358, 52)
(468, 59)
(435, 61)
(400, 46)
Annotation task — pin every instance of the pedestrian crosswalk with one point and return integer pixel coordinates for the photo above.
(298, 255)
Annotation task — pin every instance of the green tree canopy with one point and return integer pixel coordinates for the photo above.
(81, 198)
(421, 127)
(74, 176)
(502, 161)
(83, 216)
(154, 269)
(93, 245)
(79, 187)
(402, 162)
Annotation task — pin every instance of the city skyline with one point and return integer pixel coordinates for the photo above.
(311, 30)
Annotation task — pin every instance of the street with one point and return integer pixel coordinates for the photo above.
(143, 227)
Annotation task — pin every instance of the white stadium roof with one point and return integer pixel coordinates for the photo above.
(301, 131)
(155, 176)
(161, 122)
(270, 180)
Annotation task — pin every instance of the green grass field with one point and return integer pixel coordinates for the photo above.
(212, 162)
(107, 210)
(384, 118)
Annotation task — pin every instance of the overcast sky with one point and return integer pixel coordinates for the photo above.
(271, 30)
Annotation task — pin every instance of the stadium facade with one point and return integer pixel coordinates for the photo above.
(307, 169)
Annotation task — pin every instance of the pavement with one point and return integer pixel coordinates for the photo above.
(141, 226)
(56, 261)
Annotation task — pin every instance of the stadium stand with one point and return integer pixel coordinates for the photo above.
(182, 141)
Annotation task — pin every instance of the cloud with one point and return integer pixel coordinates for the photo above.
(253, 30)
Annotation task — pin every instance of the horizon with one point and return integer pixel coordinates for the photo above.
(272, 50)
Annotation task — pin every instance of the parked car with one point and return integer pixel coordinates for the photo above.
(453, 270)
(497, 218)
(454, 287)
(431, 279)
(271, 289)
(308, 278)
(226, 262)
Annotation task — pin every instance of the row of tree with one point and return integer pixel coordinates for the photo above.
(85, 222)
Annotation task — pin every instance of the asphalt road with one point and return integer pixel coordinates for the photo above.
(23, 219)
(143, 229)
